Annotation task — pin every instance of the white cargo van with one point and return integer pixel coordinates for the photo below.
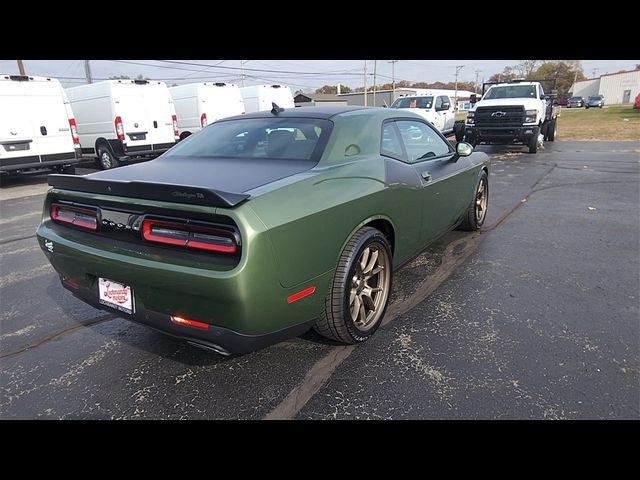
(198, 104)
(37, 128)
(122, 119)
(260, 97)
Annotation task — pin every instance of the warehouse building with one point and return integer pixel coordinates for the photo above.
(386, 97)
(315, 99)
(616, 88)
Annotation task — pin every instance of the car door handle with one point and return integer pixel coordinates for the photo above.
(426, 176)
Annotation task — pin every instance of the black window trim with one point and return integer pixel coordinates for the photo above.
(452, 150)
(405, 158)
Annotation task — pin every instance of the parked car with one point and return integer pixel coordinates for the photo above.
(561, 100)
(437, 109)
(575, 102)
(37, 126)
(264, 225)
(594, 101)
(124, 119)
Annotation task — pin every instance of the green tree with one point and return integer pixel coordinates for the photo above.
(565, 72)
(333, 89)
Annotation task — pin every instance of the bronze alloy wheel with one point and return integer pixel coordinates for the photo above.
(369, 287)
(481, 200)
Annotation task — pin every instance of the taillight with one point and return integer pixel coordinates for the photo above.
(189, 236)
(203, 120)
(175, 126)
(76, 216)
(119, 128)
(74, 131)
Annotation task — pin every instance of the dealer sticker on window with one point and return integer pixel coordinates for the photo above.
(115, 295)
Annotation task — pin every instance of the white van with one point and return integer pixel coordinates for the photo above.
(37, 128)
(122, 119)
(437, 108)
(260, 97)
(198, 104)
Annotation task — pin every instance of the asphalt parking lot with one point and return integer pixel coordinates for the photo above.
(534, 317)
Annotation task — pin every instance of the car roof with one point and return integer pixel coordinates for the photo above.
(304, 112)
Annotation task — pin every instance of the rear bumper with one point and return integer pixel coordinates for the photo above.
(245, 308)
(219, 339)
(38, 161)
(500, 134)
(148, 150)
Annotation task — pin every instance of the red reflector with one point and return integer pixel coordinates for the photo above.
(71, 282)
(190, 323)
(301, 294)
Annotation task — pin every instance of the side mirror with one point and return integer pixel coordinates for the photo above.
(463, 149)
(473, 98)
(446, 106)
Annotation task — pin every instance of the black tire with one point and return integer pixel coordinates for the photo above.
(474, 218)
(106, 159)
(184, 135)
(458, 129)
(68, 170)
(335, 321)
(533, 143)
(587, 107)
(551, 130)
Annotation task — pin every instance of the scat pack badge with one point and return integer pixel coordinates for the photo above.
(48, 245)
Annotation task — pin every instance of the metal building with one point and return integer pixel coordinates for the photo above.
(617, 88)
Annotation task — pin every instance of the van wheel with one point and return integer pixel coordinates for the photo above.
(359, 295)
(68, 170)
(106, 160)
(184, 135)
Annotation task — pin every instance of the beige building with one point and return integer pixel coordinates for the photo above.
(616, 88)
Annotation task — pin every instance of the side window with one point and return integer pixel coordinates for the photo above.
(421, 141)
(439, 102)
(390, 144)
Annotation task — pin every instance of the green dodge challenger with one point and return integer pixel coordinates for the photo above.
(262, 226)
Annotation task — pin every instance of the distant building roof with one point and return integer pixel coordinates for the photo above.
(320, 97)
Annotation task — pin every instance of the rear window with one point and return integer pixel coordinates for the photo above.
(413, 102)
(271, 137)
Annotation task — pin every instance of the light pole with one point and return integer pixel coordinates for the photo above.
(20, 67)
(375, 65)
(458, 68)
(365, 83)
(477, 74)
(393, 79)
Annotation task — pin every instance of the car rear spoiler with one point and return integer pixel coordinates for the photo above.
(164, 192)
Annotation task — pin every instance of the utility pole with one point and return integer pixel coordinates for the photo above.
(595, 70)
(20, 67)
(375, 65)
(477, 74)
(458, 68)
(393, 78)
(87, 71)
(365, 83)
(242, 62)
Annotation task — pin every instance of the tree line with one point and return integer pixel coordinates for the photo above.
(565, 72)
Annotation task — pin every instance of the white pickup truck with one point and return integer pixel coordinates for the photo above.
(438, 109)
(517, 112)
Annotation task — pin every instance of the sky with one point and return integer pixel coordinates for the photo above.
(304, 75)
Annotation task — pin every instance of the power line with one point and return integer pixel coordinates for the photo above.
(193, 64)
